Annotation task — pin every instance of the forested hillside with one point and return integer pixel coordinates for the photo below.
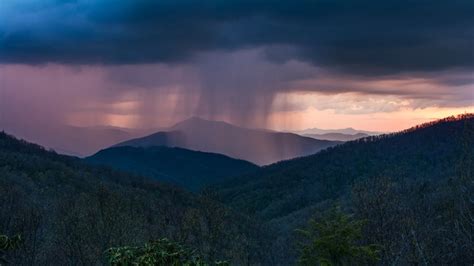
(68, 213)
(415, 189)
(192, 170)
(399, 199)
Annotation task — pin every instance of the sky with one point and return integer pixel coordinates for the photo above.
(286, 65)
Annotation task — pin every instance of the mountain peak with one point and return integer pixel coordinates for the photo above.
(196, 121)
(254, 145)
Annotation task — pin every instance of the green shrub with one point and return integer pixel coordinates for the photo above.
(7, 244)
(160, 252)
(333, 240)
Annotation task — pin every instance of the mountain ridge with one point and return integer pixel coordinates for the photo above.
(69, 212)
(374, 146)
(259, 146)
(412, 176)
(337, 136)
(189, 169)
(346, 131)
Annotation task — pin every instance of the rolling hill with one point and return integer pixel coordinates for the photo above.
(427, 152)
(258, 146)
(189, 169)
(411, 177)
(68, 212)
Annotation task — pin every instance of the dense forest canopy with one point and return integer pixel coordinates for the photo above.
(420, 181)
(192, 170)
(69, 213)
(404, 198)
(428, 152)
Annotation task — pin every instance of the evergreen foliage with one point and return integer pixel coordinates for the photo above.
(69, 212)
(334, 240)
(8, 244)
(160, 252)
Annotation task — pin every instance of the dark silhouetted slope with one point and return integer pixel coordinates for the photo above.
(414, 188)
(431, 151)
(68, 212)
(189, 169)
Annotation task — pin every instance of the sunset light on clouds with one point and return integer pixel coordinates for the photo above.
(117, 66)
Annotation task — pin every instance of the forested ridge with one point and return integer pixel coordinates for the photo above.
(69, 213)
(400, 199)
(189, 169)
(428, 152)
(414, 188)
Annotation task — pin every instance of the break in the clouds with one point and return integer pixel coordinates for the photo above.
(370, 37)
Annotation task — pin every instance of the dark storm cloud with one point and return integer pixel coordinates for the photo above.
(377, 37)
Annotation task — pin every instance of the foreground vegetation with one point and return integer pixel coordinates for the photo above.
(159, 252)
(334, 240)
(8, 244)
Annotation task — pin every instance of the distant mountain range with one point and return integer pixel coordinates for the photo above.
(192, 170)
(337, 136)
(76, 141)
(255, 145)
(345, 131)
(85, 141)
(343, 134)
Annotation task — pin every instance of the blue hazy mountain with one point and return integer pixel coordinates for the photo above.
(334, 136)
(255, 145)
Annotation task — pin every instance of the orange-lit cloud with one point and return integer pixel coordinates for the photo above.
(241, 88)
(402, 118)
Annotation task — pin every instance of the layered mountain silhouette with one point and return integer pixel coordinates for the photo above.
(337, 136)
(192, 170)
(345, 131)
(255, 145)
(62, 206)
